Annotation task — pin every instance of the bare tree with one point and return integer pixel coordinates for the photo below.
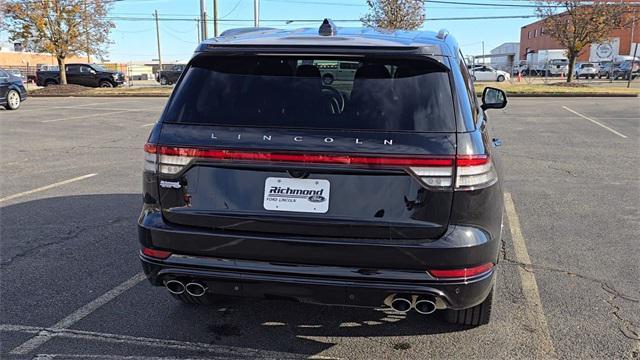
(60, 27)
(395, 14)
(575, 24)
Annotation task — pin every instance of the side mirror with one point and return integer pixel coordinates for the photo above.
(493, 98)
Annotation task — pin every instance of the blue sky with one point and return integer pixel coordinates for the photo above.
(134, 40)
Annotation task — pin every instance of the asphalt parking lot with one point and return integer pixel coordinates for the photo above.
(71, 283)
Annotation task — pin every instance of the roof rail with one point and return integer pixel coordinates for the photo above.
(442, 34)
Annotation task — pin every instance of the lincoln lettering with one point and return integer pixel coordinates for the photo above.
(297, 138)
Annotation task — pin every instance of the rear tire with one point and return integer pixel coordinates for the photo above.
(164, 81)
(474, 316)
(206, 299)
(50, 82)
(13, 100)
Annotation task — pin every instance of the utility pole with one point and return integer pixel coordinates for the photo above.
(635, 51)
(215, 18)
(198, 29)
(158, 39)
(203, 18)
(256, 13)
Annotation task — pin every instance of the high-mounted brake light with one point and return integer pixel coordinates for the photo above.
(462, 273)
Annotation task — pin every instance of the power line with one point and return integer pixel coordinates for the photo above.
(131, 18)
(232, 10)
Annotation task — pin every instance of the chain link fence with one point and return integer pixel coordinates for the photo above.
(556, 71)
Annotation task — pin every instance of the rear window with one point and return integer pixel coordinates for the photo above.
(319, 93)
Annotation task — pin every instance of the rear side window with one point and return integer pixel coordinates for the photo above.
(290, 92)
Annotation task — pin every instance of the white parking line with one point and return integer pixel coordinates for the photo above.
(147, 125)
(528, 280)
(595, 122)
(222, 350)
(109, 103)
(25, 193)
(99, 115)
(77, 315)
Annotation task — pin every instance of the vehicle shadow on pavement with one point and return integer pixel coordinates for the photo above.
(90, 241)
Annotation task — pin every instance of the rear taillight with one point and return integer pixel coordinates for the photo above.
(474, 172)
(150, 156)
(471, 171)
(436, 175)
(462, 273)
(171, 160)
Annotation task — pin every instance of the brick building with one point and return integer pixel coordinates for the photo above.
(533, 38)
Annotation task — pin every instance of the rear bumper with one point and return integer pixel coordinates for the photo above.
(328, 271)
(314, 284)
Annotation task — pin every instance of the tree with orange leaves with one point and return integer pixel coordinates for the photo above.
(576, 24)
(59, 27)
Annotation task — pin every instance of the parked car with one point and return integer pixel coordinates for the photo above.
(605, 69)
(261, 181)
(586, 70)
(557, 67)
(91, 75)
(12, 91)
(171, 76)
(626, 69)
(487, 73)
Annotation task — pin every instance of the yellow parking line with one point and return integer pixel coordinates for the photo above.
(528, 279)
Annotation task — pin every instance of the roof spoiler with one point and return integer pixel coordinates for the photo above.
(244, 30)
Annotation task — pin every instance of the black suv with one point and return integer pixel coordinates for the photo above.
(379, 190)
(171, 76)
(92, 75)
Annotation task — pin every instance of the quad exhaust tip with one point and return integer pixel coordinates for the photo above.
(401, 304)
(425, 307)
(175, 287)
(404, 303)
(193, 288)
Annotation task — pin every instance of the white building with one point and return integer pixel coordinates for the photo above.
(504, 56)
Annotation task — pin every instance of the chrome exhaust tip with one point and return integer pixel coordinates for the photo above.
(425, 307)
(175, 287)
(401, 304)
(195, 289)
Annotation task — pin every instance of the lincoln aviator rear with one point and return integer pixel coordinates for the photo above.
(376, 189)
